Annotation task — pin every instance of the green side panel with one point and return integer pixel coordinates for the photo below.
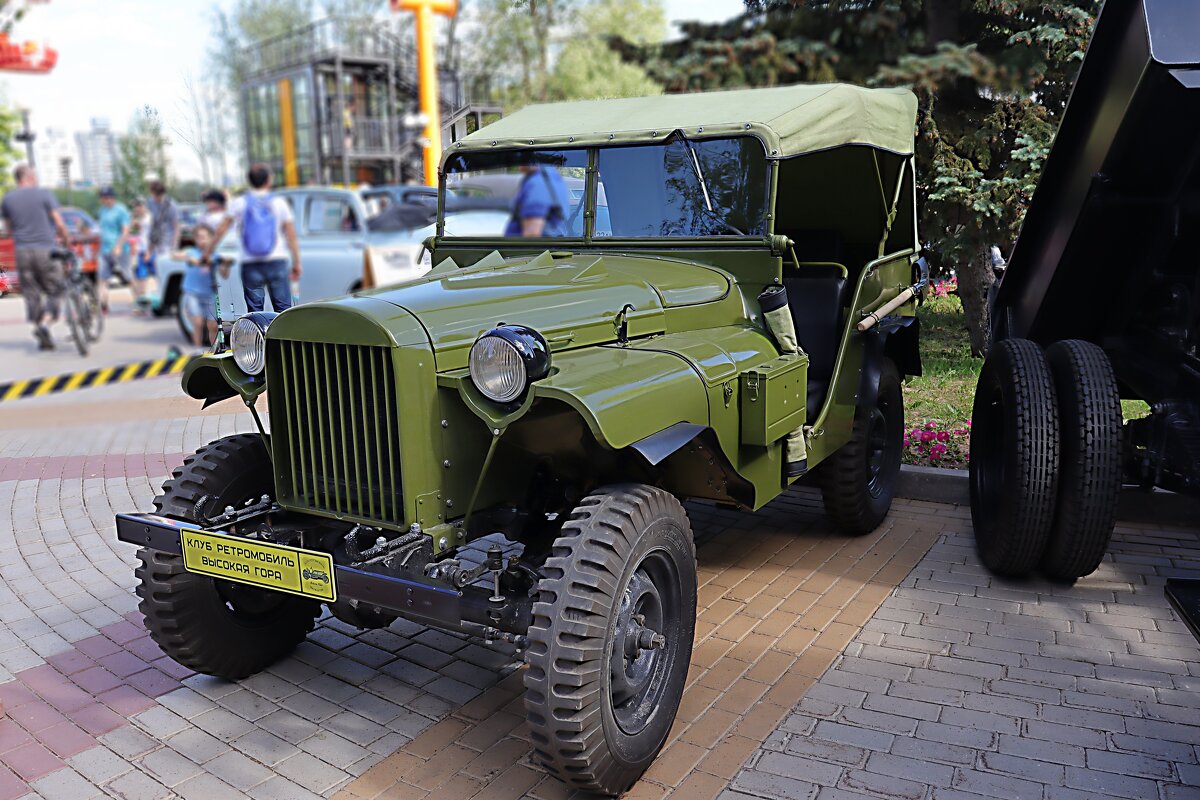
(721, 355)
(626, 394)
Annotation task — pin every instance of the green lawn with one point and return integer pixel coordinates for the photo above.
(943, 395)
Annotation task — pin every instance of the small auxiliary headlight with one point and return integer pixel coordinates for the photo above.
(506, 359)
(248, 341)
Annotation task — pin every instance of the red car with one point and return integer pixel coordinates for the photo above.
(9, 282)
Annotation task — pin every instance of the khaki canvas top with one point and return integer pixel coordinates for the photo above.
(790, 120)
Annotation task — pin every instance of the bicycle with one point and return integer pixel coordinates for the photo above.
(81, 302)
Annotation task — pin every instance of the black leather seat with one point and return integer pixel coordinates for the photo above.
(817, 297)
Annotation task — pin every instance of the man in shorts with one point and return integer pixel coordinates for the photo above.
(114, 241)
(31, 213)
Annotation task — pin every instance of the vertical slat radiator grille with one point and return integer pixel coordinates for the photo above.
(335, 428)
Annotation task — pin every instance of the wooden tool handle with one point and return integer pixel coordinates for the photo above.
(887, 308)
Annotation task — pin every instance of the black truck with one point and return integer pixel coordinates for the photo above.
(1100, 301)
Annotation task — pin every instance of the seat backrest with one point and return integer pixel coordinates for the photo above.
(817, 300)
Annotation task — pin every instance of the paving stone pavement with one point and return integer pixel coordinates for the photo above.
(964, 684)
(958, 686)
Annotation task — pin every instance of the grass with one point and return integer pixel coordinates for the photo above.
(944, 393)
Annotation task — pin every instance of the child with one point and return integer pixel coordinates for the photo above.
(139, 238)
(199, 287)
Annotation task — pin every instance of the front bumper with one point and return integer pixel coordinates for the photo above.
(420, 599)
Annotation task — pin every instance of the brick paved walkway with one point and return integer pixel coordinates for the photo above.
(812, 670)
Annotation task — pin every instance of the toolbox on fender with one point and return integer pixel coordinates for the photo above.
(772, 399)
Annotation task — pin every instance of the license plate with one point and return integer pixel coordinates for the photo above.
(270, 566)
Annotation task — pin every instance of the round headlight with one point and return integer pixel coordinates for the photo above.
(505, 360)
(248, 341)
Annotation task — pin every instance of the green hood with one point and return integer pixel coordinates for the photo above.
(572, 300)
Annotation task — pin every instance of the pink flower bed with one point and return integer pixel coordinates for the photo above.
(933, 446)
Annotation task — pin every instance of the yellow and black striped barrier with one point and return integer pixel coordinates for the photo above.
(102, 376)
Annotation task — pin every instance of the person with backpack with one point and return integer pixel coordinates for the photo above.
(268, 235)
(541, 204)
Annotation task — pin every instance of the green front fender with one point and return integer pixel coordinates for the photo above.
(625, 394)
(213, 378)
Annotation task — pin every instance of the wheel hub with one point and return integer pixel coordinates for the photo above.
(641, 651)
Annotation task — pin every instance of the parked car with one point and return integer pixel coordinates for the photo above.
(566, 395)
(331, 225)
(189, 215)
(9, 280)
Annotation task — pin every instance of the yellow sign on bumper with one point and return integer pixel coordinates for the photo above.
(271, 566)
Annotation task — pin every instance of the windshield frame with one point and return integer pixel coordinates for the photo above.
(590, 192)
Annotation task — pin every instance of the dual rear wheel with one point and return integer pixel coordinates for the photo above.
(1045, 458)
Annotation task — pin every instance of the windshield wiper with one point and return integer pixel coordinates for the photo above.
(704, 188)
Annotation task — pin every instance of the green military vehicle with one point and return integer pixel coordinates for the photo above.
(702, 297)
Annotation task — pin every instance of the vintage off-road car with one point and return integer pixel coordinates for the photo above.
(739, 309)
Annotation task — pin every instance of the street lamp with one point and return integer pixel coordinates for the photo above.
(26, 135)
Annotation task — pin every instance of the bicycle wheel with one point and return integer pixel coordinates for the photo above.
(95, 317)
(76, 313)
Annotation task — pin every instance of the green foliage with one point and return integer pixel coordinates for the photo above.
(10, 154)
(543, 50)
(251, 21)
(87, 199)
(141, 153)
(992, 78)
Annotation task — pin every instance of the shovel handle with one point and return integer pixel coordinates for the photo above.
(869, 321)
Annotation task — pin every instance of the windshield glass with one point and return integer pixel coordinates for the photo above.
(711, 187)
(542, 189)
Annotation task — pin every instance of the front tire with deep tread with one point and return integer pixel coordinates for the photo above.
(217, 627)
(598, 718)
(1089, 406)
(858, 482)
(1014, 457)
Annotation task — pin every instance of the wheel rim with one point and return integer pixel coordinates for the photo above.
(883, 455)
(643, 648)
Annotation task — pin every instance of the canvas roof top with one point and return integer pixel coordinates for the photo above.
(790, 120)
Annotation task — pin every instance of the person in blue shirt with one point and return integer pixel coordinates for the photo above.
(199, 292)
(541, 205)
(114, 241)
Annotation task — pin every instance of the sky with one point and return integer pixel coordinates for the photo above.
(118, 55)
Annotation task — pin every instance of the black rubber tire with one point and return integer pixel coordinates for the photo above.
(1014, 457)
(1089, 478)
(76, 315)
(858, 495)
(192, 617)
(569, 683)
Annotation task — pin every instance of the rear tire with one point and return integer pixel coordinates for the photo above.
(217, 627)
(1014, 457)
(601, 699)
(858, 482)
(1089, 406)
